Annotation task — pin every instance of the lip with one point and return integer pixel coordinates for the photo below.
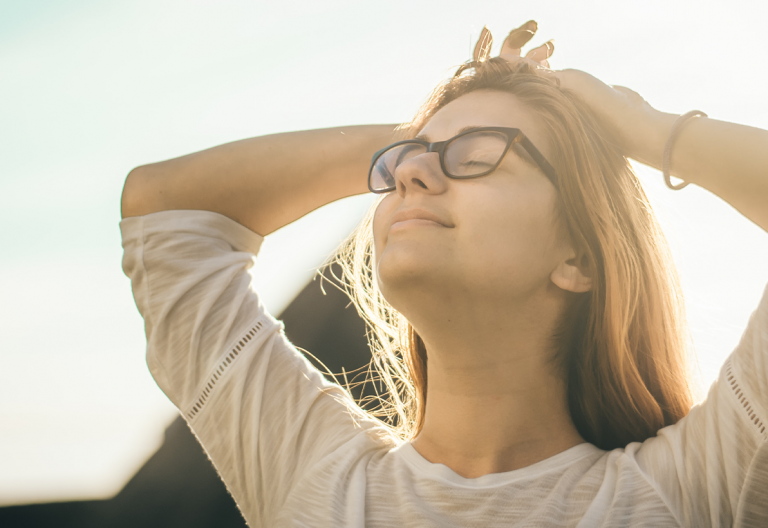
(421, 217)
(415, 222)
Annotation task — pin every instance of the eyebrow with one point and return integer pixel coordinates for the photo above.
(517, 148)
(424, 137)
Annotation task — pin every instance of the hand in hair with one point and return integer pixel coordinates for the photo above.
(729, 160)
(623, 113)
(511, 49)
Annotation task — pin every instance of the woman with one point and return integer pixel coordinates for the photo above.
(526, 315)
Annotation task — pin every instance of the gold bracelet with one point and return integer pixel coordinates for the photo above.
(668, 148)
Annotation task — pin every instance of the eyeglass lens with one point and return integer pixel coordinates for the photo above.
(465, 157)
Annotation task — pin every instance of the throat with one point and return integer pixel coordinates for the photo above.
(475, 463)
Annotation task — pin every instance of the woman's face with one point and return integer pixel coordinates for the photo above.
(493, 236)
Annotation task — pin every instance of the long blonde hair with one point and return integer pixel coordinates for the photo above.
(622, 346)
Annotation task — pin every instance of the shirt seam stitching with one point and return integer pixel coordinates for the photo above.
(739, 393)
(222, 368)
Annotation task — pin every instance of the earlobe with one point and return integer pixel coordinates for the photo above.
(572, 275)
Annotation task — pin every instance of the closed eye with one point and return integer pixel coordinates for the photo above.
(474, 163)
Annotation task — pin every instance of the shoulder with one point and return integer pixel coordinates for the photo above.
(630, 495)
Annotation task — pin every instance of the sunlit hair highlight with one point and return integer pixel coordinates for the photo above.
(621, 347)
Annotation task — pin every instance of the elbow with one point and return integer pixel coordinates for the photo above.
(136, 199)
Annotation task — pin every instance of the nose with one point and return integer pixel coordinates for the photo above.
(421, 173)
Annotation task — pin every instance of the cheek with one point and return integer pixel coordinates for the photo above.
(384, 210)
(512, 240)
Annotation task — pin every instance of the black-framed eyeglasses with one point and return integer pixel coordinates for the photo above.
(471, 154)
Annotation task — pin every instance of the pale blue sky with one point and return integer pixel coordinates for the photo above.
(91, 89)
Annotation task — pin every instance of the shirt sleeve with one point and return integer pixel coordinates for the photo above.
(713, 464)
(262, 412)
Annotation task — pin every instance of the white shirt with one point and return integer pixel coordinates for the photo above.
(291, 452)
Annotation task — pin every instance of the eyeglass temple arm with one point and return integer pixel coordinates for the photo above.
(538, 157)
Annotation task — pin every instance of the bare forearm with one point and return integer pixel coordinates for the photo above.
(727, 159)
(263, 183)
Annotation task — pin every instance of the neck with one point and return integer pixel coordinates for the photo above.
(495, 401)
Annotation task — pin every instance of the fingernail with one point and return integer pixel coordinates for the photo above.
(531, 25)
(518, 37)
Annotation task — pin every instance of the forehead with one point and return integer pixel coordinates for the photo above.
(485, 108)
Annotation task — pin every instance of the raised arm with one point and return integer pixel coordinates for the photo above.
(263, 183)
(727, 159)
(265, 415)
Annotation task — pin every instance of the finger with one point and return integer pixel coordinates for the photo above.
(483, 46)
(541, 53)
(518, 38)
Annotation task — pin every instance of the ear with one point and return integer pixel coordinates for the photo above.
(573, 273)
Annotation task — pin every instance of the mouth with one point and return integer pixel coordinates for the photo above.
(407, 218)
(414, 222)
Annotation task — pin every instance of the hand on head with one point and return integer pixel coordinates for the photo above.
(511, 49)
(622, 112)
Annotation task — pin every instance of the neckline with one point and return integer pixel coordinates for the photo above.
(443, 472)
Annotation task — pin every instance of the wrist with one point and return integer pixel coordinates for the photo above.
(651, 137)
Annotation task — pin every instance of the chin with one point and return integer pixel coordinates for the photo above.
(401, 269)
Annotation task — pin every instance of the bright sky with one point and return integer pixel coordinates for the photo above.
(91, 89)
